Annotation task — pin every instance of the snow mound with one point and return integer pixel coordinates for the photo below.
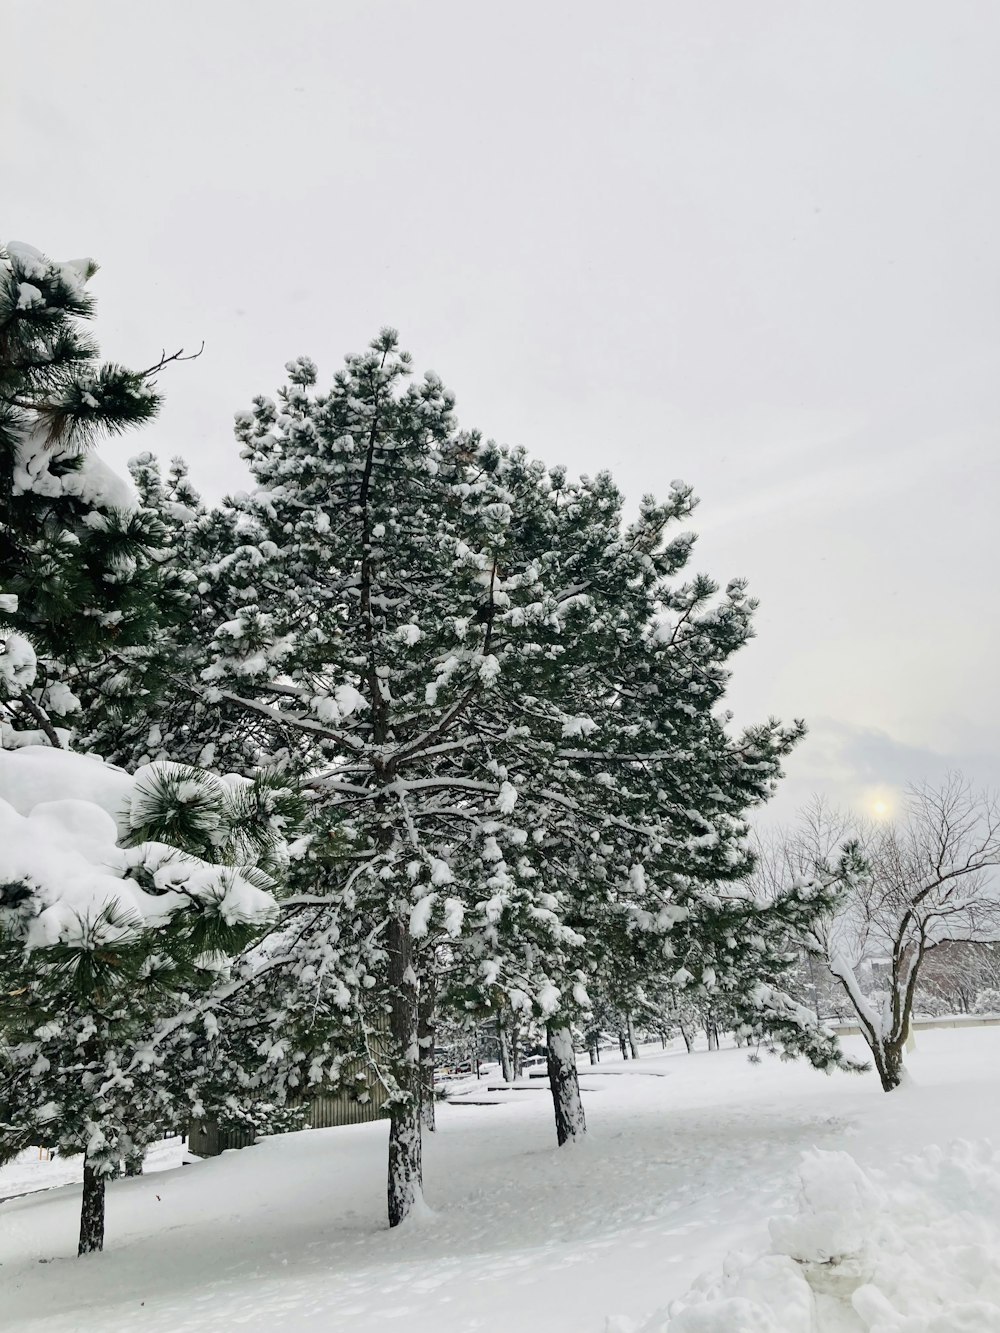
(915, 1249)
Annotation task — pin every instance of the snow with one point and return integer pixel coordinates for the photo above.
(34, 774)
(61, 817)
(17, 662)
(906, 1256)
(686, 1159)
(31, 1172)
(91, 480)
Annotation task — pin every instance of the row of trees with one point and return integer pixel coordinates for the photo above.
(457, 720)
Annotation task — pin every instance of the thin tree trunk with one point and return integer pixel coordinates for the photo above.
(425, 1037)
(712, 1033)
(571, 1124)
(688, 1038)
(506, 1060)
(91, 1210)
(592, 1052)
(622, 1046)
(630, 1030)
(405, 1168)
(515, 1047)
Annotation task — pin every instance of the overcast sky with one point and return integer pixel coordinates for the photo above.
(752, 245)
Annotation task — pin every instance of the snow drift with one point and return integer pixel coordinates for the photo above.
(910, 1250)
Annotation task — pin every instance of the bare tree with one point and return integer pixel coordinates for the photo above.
(911, 885)
(957, 974)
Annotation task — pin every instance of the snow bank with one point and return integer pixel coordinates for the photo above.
(915, 1249)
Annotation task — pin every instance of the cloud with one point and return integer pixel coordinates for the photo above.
(855, 766)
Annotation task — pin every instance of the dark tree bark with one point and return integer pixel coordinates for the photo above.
(888, 1057)
(425, 1036)
(571, 1124)
(630, 1032)
(91, 1210)
(622, 1046)
(405, 1165)
(506, 1056)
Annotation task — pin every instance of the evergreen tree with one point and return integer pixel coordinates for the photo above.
(508, 712)
(77, 549)
(110, 926)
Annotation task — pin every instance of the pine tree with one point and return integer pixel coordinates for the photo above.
(111, 925)
(120, 896)
(77, 548)
(629, 793)
(508, 711)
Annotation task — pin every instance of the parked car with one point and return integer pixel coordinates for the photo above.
(535, 1062)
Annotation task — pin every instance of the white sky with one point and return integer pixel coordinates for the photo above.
(753, 245)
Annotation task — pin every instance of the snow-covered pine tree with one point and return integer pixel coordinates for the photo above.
(629, 793)
(508, 711)
(76, 548)
(110, 927)
(356, 641)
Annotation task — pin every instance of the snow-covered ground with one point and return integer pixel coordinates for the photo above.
(33, 1171)
(687, 1159)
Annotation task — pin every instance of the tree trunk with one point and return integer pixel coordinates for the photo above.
(592, 1052)
(91, 1210)
(688, 1039)
(425, 1038)
(506, 1059)
(515, 1047)
(405, 1169)
(630, 1030)
(622, 1046)
(712, 1033)
(571, 1123)
(889, 1063)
